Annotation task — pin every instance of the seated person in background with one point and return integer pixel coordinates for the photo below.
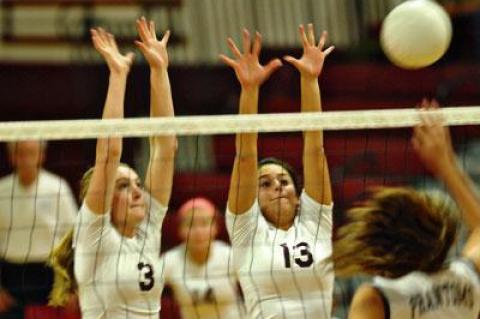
(200, 270)
(37, 208)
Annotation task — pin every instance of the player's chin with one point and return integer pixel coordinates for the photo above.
(278, 214)
(137, 215)
(281, 208)
(198, 245)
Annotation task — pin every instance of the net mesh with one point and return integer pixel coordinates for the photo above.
(363, 148)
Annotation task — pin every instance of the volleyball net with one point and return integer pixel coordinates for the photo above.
(229, 124)
(364, 149)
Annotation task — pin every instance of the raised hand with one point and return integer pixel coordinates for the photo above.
(431, 139)
(105, 44)
(311, 62)
(154, 51)
(249, 71)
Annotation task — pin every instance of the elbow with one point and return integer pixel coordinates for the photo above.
(165, 144)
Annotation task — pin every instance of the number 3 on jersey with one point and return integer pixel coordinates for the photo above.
(304, 260)
(146, 276)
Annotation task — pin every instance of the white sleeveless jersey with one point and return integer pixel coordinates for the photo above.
(284, 274)
(118, 277)
(453, 293)
(207, 291)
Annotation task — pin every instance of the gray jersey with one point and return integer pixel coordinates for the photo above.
(452, 293)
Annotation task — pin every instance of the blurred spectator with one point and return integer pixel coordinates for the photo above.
(36, 209)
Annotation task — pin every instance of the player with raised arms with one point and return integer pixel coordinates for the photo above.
(281, 234)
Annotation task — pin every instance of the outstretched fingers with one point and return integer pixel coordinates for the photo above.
(431, 126)
(293, 61)
(102, 39)
(323, 39)
(272, 66)
(247, 45)
(321, 44)
(141, 46)
(257, 44)
(233, 47)
(311, 34)
(303, 35)
(143, 29)
(328, 50)
(111, 41)
(153, 33)
(165, 38)
(228, 61)
(102, 34)
(97, 41)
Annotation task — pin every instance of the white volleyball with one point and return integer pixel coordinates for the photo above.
(416, 34)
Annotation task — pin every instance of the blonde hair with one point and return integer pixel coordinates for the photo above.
(61, 260)
(62, 257)
(397, 231)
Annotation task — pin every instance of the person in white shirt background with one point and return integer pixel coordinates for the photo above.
(403, 237)
(37, 208)
(200, 270)
(281, 235)
(115, 266)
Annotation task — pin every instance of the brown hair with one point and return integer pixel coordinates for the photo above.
(290, 170)
(396, 231)
(61, 258)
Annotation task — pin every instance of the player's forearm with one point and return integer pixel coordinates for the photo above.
(161, 103)
(462, 189)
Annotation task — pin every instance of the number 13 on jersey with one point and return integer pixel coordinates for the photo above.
(301, 255)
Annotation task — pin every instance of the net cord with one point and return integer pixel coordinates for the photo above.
(229, 124)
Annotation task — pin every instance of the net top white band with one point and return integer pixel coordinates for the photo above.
(228, 124)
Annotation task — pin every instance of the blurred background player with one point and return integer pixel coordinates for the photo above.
(200, 270)
(37, 208)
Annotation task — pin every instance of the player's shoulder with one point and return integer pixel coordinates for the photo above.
(222, 252)
(50, 176)
(466, 267)
(49, 179)
(367, 302)
(175, 253)
(221, 246)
